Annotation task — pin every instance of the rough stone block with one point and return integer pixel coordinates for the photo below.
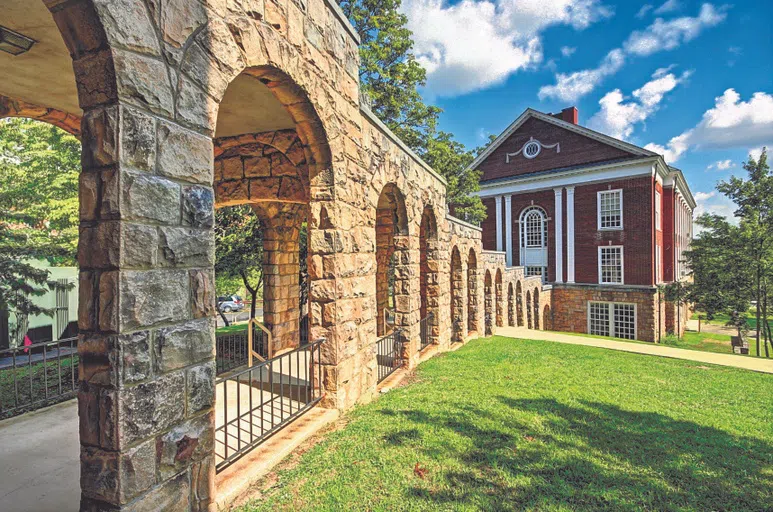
(198, 207)
(150, 407)
(151, 198)
(184, 155)
(184, 344)
(143, 80)
(200, 387)
(153, 296)
(187, 247)
(184, 444)
(138, 139)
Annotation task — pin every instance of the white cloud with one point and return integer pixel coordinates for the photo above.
(731, 123)
(756, 153)
(473, 44)
(722, 165)
(568, 51)
(618, 115)
(572, 86)
(644, 10)
(711, 202)
(667, 35)
(660, 35)
(668, 6)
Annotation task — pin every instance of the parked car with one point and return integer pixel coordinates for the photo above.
(230, 303)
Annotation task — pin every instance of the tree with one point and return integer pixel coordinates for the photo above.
(39, 169)
(390, 77)
(239, 248)
(732, 265)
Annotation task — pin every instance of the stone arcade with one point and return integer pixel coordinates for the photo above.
(184, 105)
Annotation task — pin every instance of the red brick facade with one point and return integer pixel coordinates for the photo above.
(585, 163)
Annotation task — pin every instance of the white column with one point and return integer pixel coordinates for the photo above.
(498, 200)
(569, 234)
(559, 220)
(509, 229)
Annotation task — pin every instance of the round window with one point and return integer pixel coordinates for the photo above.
(532, 149)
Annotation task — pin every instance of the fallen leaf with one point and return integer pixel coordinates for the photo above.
(419, 471)
(529, 438)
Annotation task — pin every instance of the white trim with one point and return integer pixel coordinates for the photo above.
(559, 216)
(582, 176)
(611, 314)
(498, 205)
(570, 234)
(598, 210)
(509, 229)
(622, 264)
(529, 113)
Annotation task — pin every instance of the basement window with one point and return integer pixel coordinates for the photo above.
(614, 319)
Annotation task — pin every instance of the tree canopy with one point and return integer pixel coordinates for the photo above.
(391, 77)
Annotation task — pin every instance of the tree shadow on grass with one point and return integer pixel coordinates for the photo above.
(592, 456)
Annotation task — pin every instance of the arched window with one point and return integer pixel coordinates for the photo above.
(534, 241)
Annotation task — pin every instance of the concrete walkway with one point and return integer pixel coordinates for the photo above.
(744, 362)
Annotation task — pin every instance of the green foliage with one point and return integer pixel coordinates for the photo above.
(390, 77)
(238, 250)
(39, 169)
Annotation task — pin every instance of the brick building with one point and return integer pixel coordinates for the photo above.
(601, 220)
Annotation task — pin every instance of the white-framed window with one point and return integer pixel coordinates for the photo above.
(614, 319)
(534, 241)
(658, 217)
(658, 264)
(610, 209)
(537, 271)
(611, 268)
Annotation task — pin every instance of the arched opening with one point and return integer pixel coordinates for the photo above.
(488, 307)
(528, 310)
(457, 297)
(534, 241)
(547, 319)
(428, 276)
(499, 302)
(472, 292)
(264, 168)
(536, 308)
(392, 258)
(510, 306)
(519, 303)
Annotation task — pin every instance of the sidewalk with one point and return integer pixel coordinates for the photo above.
(744, 362)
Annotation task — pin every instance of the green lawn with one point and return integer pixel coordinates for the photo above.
(231, 329)
(723, 319)
(505, 424)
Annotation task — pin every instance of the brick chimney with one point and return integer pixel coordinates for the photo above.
(568, 114)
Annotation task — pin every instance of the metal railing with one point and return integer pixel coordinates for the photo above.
(388, 354)
(254, 403)
(231, 351)
(425, 328)
(37, 375)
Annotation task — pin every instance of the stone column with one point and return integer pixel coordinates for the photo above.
(498, 200)
(559, 222)
(509, 229)
(570, 234)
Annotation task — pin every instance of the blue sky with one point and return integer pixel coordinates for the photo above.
(693, 80)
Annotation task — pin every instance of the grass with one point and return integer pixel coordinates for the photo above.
(505, 424)
(231, 329)
(722, 319)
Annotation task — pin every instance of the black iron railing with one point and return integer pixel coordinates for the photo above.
(256, 402)
(231, 351)
(425, 329)
(388, 350)
(37, 375)
(303, 327)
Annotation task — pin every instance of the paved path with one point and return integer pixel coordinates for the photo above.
(736, 361)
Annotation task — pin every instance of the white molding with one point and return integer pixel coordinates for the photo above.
(498, 205)
(583, 176)
(587, 132)
(509, 229)
(598, 210)
(559, 217)
(570, 235)
(622, 264)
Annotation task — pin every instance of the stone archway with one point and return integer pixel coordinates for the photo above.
(457, 297)
(510, 306)
(529, 310)
(392, 260)
(500, 320)
(429, 283)
(519, 303)
(488, 308)
(472, 292)
(547, 319)
(536, 313)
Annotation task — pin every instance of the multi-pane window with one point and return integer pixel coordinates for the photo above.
(537, 271)
(534, 228)
(610, 209)
(611, 264)
(612, 319)
(658, 221)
